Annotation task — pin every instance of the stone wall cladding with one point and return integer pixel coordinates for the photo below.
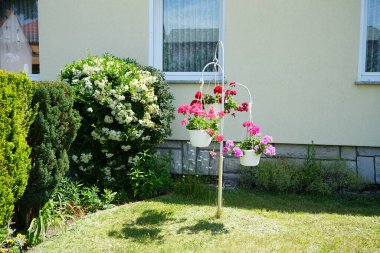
(365, 161)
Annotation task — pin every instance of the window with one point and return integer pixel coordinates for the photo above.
(19, 43)
(184, 34)
(369, 63)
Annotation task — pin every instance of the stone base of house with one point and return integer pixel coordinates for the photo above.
(365, 161)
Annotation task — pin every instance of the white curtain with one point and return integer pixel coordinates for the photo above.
(373, 36)
(15, 52)
(191, 31)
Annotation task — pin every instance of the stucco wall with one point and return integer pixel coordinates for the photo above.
(299, 58)
(71, 28)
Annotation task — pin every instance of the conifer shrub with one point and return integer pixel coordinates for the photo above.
(126, 109)
(16, 116)
(50, 138)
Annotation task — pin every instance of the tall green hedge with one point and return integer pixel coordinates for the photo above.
(50, 137)
(16, 115)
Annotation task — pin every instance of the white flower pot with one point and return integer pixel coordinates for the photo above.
(217, 107)
(199, 138)
(250, 158)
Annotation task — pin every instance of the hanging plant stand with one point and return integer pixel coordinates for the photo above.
(200, 116)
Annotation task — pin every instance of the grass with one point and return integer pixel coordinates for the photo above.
(251, 222)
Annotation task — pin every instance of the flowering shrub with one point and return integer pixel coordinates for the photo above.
(126, 108)
(254, 141)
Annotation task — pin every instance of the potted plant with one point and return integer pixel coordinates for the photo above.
(215, 100)
(202, 125)
(250, 149)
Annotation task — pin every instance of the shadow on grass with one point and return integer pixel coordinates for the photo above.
(206, 226)
(350, 204)
(145, 228)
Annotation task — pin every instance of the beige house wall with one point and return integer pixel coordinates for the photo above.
(69, 29)
(298, 57)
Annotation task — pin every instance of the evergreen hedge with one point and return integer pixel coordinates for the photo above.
(50, 137)
(16, 116)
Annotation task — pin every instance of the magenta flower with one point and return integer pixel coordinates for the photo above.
(218, 137)
(183, 109)
(232, 84)
(225, 150)
(229, 144)
(268, 138)
(270, 150)
(238, 152)
(256, 147)
(183, 122)
(196, 109)
(252, 130)
(210, 131)
(211, 113)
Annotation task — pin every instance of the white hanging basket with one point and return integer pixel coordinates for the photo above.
(250, 158)
(217, 107)
(199, 138)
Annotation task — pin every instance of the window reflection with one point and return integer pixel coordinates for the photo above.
(19, 43)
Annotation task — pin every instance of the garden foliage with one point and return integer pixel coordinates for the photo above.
(69, 201)
(150, 176)
(312, 176)
(16, 116)
(50, 138)
(126, 109)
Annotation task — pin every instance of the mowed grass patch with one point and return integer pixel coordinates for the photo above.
(251, 222)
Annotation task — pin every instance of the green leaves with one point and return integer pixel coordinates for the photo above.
(16, 115)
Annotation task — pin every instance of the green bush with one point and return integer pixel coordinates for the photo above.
(126, 109)
(313, 177)
(194, 187)
(50, 137)
(16, 115)
(150, 176)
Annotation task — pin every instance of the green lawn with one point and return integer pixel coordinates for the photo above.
(251, 222)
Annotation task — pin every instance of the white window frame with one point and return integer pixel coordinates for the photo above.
(363, 75)
(156, 13)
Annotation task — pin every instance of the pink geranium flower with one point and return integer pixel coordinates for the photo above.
(183, 122)
(252, 130)
(238, 152)
(270, 150)
(247, 124)
(218, 137)
(183, 109)
(225, 150)
(221, 114)
(229, 144)
(212, 153)
(210, 131)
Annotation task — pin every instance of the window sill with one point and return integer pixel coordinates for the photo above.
(182, 82)
(371, 83)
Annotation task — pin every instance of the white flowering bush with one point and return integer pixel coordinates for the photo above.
(126, 108)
